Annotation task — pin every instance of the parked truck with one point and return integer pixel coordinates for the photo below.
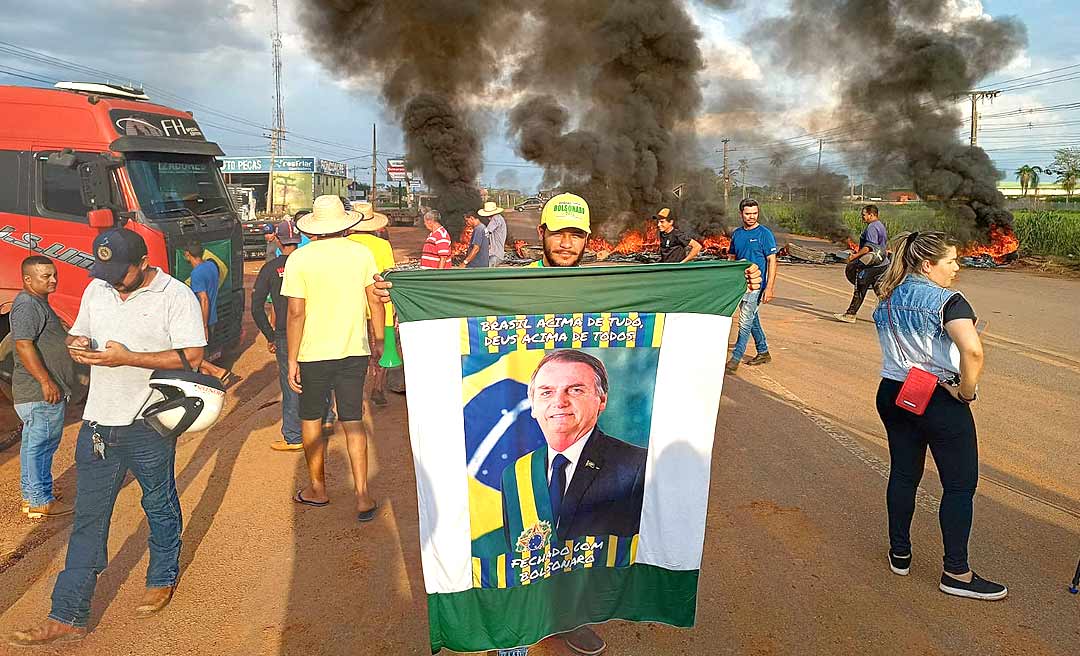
(82, 158)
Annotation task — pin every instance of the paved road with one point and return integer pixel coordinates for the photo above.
(795, 551)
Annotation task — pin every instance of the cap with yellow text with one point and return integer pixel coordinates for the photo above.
(566, 211)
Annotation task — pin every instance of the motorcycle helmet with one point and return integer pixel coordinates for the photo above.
(192, 402)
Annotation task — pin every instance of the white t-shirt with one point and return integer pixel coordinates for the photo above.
(162, 316)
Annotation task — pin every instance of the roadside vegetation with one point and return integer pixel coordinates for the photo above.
(1054, 231)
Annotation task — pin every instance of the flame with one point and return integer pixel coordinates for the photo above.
(717, 244)
(519, 248)
(461, 247)
(852, 246)
(1003, 242)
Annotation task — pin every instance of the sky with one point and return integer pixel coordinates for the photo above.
(213, 57)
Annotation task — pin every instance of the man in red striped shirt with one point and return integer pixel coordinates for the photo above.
(436, 254)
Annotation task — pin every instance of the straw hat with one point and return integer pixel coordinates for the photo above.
(490, 209)
(328, 216)
(371, 220)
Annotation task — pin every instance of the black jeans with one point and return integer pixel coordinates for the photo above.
(948, 428)
(863, 277)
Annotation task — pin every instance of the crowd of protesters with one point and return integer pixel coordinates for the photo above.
(306, 304)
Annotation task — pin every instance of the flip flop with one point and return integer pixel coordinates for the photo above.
(367, 515)
(299, 498)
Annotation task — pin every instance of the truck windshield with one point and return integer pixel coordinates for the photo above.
(172, 186)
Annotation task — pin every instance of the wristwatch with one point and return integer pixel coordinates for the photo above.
(960, 395)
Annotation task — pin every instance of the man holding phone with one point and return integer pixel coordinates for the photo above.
(133, 319)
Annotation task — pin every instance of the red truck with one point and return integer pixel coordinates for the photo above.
(82, 158)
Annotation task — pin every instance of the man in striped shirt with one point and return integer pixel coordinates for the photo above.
(436, 253)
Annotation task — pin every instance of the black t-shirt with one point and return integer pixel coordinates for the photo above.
(673, 245)
(957, 307)
(268, 285)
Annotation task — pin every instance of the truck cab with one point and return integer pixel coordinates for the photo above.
(82, 158)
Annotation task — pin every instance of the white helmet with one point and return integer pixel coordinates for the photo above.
(192, 402)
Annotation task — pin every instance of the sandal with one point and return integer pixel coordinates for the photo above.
(299, 498)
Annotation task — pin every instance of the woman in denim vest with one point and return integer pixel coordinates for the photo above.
(923, 323)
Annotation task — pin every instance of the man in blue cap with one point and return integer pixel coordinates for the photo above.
(268, 286)
(133, 318)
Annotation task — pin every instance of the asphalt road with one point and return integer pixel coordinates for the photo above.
(795, 552)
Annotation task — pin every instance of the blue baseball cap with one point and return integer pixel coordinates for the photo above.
(114, 251)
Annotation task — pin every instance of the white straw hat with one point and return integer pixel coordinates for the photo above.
(328, 216)
(490, 209)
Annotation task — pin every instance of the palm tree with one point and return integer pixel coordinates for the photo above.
(1029, 177)
(1068, 180)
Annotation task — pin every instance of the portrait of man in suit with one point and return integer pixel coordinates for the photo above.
(581, 481)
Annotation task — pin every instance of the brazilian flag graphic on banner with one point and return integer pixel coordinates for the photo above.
(563, 443)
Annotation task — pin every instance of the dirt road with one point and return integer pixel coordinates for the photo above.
(795, 549)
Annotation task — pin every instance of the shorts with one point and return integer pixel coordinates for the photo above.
(345, 377)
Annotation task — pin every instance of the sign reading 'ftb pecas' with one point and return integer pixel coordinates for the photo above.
(563, 450)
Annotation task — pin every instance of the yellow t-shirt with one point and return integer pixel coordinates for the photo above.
(326, 273)
(384, 259)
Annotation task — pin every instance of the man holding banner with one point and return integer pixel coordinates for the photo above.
(504, 333)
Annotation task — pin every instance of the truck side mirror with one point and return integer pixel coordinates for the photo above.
(64, 159)
(101, 218)
(95, 183)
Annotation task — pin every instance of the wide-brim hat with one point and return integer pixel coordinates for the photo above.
(490, 209)
(328, 216)
(370, 219)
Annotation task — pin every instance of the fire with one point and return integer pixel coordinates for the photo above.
(717, 244)
(461, 247)
(519, 247)
(852, 246)
(1003, 243)
(631, 241)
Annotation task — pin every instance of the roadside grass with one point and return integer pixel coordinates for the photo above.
(1041, 232)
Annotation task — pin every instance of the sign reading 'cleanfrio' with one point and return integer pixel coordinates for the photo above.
(563, 442)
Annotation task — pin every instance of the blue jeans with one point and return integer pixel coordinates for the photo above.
(152, 460)
(749, 324)
(43, 423)
(290, 400)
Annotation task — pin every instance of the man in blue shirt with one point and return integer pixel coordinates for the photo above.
(867, 263)
(204, 282)
(477, 255)
(756, 243)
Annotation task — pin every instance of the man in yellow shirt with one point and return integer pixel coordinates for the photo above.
(365, 233)
(328, 341)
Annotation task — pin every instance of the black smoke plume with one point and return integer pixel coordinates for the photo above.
(903, 66)
(430, 59)
(610, 88)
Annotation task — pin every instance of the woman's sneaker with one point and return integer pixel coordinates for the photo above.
(979, 588)
(900, 564)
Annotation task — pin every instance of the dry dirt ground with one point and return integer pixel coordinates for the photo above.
(796, 543)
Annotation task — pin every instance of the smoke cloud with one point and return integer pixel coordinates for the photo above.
(610, 89)
(903, 65)
(430, 59)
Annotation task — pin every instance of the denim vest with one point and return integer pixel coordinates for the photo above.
(917, 337)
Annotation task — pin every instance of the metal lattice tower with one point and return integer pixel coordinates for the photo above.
(277, 134)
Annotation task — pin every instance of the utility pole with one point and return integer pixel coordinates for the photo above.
(744, 169)
(726, 177)
(976, 96)
(374, 167)
(277, 130)
(820, 145)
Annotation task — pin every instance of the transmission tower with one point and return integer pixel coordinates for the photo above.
(277, 135)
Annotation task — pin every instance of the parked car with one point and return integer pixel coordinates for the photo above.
(529, 204)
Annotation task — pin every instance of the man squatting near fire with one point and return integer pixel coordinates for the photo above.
(867, 263)
(564, 233)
